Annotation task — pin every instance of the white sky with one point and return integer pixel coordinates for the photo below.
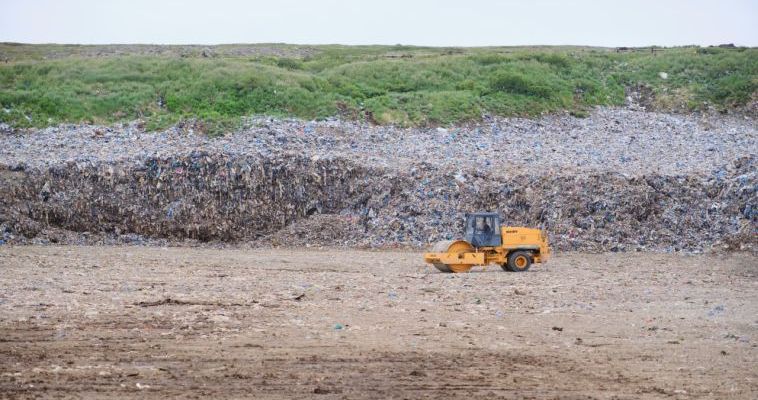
(416, 22)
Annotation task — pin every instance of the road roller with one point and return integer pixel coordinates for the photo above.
(485, 242)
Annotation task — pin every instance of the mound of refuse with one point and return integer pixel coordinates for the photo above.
(333, 183)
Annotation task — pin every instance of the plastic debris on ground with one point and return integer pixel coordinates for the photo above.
(619, 180)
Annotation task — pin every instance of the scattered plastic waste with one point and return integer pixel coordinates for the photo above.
(715, 311)
(618, 180)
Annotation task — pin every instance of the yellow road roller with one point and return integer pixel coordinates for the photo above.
(486, 242)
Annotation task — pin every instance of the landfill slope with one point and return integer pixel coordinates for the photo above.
(619, 180)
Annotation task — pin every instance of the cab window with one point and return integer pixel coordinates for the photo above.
(483, 225)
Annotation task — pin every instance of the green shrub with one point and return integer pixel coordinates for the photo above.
(518, 83)
(403, 85)
(289, 63)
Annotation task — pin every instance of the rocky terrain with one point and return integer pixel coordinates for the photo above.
(621, 179)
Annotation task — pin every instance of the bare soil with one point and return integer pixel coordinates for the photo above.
(135, 322)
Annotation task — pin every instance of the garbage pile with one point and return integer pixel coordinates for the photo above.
(199, 196)
(333, 183)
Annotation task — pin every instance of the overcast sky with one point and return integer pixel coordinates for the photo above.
(416, 22)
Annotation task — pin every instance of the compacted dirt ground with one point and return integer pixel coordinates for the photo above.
(135, 322)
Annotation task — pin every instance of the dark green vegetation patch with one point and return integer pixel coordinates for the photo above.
(43, 85)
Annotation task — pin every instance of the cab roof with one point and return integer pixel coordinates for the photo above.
(483, 214)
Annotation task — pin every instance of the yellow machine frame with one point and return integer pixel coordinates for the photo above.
(460, 255)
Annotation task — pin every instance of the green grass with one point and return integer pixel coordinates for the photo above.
(44, 85)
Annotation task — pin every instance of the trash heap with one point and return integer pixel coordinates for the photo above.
(201, 196)
(280, 184)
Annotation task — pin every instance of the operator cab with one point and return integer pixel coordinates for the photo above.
(483, 229)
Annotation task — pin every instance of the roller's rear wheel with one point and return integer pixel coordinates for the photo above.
(519, 261)
(453, 246)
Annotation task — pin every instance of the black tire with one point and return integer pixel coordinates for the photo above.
(519, 261)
